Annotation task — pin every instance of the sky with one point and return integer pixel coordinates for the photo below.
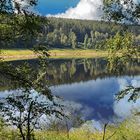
(75, 9)
(55, 6)
(78, 9)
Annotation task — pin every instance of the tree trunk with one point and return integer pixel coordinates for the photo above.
(28, 137)
(21, 132)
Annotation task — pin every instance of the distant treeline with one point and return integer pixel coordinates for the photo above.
(72, 33)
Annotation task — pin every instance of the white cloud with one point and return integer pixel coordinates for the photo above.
(123, 83)
(123, 108)
(85, 9)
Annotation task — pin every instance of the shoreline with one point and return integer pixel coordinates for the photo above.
(18, 54)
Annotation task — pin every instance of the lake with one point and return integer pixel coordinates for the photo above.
(88, 87)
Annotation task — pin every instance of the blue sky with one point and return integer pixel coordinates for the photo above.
(76, 9)
(55, 6)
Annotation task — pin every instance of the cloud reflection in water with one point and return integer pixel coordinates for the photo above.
(97, 97)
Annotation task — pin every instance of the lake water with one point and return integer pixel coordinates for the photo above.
(87, 86)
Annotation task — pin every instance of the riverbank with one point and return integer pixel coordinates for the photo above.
(20, 54)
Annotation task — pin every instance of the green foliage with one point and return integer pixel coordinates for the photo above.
(85, 41)
(73, 40)
(97, 31)
(22, 108)
(126, 11)
(57, 33)
(18, 26)
(122, 43)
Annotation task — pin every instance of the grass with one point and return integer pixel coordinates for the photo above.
(128, 130)
(77, 53)
(19, 54)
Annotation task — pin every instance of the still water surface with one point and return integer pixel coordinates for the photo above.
(89, 88)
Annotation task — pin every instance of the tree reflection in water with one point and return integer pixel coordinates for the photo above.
(67, 71)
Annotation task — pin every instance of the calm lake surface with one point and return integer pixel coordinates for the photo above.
(87, 86)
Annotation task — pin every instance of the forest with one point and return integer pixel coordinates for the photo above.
(70, 34)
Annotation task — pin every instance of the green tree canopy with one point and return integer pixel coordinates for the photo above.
(126, 11)
(123, 11)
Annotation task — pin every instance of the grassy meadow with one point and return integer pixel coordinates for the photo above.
(19, 54)
(128, 130)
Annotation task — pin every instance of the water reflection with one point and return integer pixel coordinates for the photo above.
(66, 71)
(123, 108)
(97, 97)
(88, 88)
